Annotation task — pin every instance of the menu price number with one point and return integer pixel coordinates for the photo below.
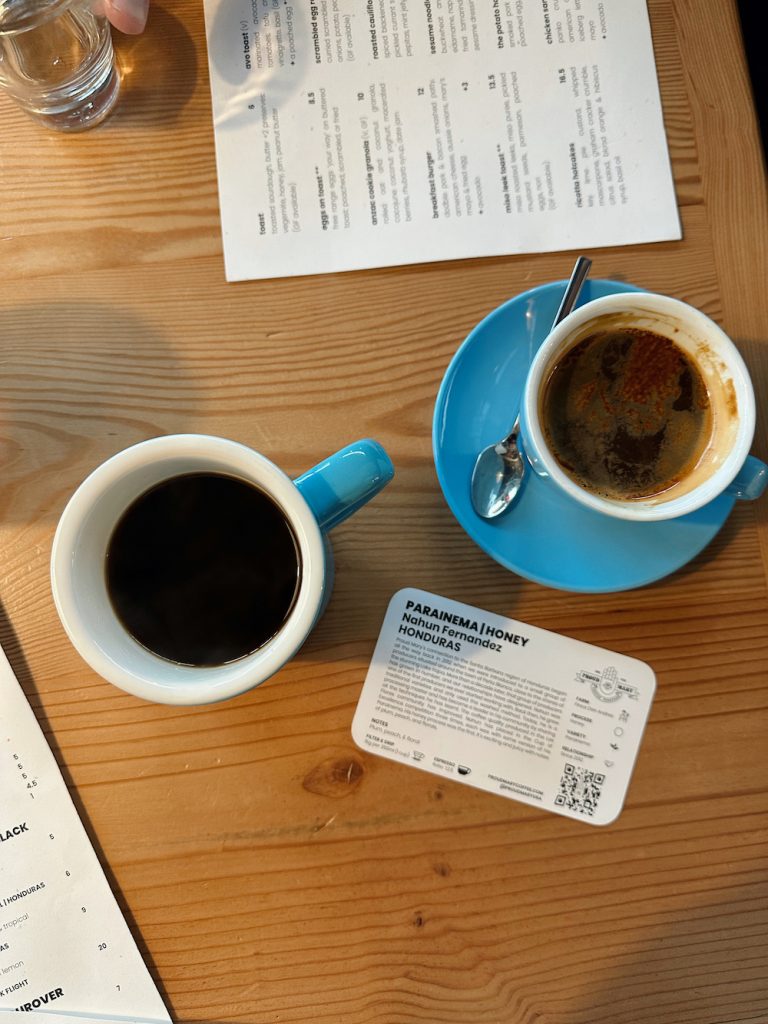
(28, 781)
(67, 872)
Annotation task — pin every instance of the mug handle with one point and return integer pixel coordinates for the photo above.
(345, 481)
(750, 481)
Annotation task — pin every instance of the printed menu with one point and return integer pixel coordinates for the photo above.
(361, 133)
(64, 944)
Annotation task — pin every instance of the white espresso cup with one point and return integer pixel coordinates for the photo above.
(724, 463)
(312, 504)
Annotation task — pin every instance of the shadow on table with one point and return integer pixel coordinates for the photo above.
(705, 965)
(723, 539)
(159, 72)
(81, 381)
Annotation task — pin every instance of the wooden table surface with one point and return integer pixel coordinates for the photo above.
(270, 870)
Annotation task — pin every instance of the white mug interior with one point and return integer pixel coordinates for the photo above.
(728, 385)
(78, 575)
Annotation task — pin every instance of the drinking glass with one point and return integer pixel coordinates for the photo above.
(57, 62)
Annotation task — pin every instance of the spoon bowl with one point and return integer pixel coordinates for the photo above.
(498, 472)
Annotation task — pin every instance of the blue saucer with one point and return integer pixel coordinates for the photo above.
(546, 536)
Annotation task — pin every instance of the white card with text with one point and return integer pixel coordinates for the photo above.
(64, 944)
(504, 706)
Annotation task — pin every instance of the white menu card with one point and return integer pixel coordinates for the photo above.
(64, 945)
(363, 133)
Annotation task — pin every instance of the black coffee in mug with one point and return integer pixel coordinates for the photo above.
(203, 569)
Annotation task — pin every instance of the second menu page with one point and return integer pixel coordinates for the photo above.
(359, 133)
(64, 944)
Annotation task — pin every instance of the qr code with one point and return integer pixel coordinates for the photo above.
(580, 790)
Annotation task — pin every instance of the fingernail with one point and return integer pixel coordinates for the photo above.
(128, 15)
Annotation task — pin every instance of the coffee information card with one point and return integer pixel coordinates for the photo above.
(64, 944)
(363, 133)
(504, 706)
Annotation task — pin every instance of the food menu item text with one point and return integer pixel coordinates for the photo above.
(64, 944)
(359, 133)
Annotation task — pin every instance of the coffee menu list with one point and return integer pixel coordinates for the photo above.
(64, 944)
(360, 133)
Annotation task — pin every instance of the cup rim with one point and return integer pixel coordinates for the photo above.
(544, 461)
(182, 684)
(15, 24)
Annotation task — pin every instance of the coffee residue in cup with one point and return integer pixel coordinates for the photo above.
(626, 413)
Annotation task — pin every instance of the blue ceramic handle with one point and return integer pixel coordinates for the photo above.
(750, 481)
(344, 482)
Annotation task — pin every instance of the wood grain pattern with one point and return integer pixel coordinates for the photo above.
(270, 870)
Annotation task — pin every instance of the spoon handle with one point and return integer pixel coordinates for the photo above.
(511, 438)
(578, 275)
(572, 291)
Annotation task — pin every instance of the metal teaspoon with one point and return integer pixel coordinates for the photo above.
(499, 469)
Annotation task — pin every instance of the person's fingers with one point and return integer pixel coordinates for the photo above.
(127, 15)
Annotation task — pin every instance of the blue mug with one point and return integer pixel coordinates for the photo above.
(313, 504)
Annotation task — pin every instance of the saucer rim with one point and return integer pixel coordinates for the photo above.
(727, 501)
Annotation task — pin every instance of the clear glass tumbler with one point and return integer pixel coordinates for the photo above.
(57, 62)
